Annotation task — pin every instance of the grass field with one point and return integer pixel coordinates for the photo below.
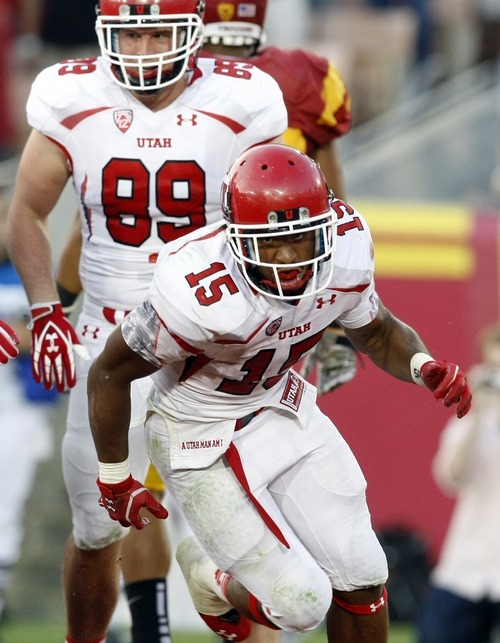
(54, 633)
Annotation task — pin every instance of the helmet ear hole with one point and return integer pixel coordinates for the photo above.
(276, 191)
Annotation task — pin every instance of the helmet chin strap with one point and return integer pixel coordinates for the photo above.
(147, 92)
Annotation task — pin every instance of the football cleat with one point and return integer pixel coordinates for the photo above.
(200, 574)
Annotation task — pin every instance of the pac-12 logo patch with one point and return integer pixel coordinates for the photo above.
(273, 326)
(123, 119)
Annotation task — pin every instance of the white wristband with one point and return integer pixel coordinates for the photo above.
(114, 472)
(416, 363)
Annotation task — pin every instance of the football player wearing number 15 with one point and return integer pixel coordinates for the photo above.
(146, 133)
(319, 113)
(272, 492)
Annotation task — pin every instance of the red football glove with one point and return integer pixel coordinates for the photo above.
(53, 341)
(448, 383)
(123, 501)
(8, 341)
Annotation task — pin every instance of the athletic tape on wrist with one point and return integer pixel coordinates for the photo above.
(416, 363)
(114, 472)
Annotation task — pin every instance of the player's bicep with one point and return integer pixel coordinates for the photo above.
(370, 337)
(117, 365)
(38, 184)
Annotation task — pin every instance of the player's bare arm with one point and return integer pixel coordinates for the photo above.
(68, 275)
(109, 396)
(37, 189)
(109, 411)
(397, 349)
(35, 195)
(388, 342)
(69, 285)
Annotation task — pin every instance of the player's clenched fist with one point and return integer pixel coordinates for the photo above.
(8, 343)
(53, 342)
(124, 500)
(448, 383)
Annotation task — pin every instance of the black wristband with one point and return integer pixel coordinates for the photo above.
(67, 298)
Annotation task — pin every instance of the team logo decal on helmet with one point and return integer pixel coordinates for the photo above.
(225, 11)
(274, 191)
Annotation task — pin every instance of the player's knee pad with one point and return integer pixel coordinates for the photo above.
(369, 609)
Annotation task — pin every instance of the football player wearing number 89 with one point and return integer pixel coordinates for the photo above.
(273, 494)
(146, 133)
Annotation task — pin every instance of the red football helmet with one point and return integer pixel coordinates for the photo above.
(235, 24)
(275, 190)
(151, 72)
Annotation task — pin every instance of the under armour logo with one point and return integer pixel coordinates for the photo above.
(322, 302)
(191, 119)
(375, 607)
(226, 636)
(52, 346)
(107, 503)
(87, 330)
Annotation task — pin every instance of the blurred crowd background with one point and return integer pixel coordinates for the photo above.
(422, 163)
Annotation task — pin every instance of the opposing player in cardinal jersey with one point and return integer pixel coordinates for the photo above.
(316, 98)
(272, 492)
(319, 113)
(146, 135)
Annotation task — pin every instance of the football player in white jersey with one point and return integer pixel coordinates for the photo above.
(272, 492)
(146, 133)
(317, 118)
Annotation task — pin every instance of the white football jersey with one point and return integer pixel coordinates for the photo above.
(224, 350)
(144, 178)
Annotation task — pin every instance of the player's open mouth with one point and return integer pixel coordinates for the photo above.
(292, 280)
